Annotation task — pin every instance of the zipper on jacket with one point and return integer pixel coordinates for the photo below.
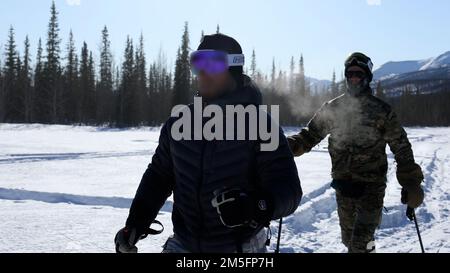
(199, 201)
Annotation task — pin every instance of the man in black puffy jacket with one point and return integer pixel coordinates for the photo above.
(225, 191)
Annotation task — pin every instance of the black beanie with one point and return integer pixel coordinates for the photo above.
(227, 44)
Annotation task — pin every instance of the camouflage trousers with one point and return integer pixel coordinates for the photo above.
(359, 218)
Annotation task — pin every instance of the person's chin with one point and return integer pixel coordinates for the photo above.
(206, 93)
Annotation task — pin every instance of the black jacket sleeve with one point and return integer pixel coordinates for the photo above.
(155, 187)
(279, 178)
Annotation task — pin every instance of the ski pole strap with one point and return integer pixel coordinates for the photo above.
(151, 231)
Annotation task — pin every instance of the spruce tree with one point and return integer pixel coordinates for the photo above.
(10, 96)
(39, 104)
(84, 84)
(292, 75)
(25, 84)
(182, 81)
(91, 104)
(105, 85)
(273, 76)
(141, 100)
(70, 83)
(153, 104)
(334, 86)
(127, 92)
(160, 86)
(86, 107)
(52, 71)
(302, 78)
(253, 66)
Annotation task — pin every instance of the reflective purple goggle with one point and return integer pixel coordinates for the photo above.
(214, 62)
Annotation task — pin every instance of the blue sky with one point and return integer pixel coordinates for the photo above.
(325, 31)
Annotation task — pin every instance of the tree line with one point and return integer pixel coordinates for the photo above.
(62, 85)
(416, 108)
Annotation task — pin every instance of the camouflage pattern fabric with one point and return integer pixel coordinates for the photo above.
(359, 129)
(359, 218)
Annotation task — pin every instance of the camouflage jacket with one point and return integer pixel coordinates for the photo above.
(359, 129)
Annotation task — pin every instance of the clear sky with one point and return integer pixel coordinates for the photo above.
(325, 31)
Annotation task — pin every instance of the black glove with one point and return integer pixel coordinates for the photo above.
(237, 208)
(126, 240)
(296, 148)
(409, 174)
(413, 196)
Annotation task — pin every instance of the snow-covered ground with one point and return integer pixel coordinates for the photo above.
(67, 189)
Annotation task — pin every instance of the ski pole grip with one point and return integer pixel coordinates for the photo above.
(410, 213)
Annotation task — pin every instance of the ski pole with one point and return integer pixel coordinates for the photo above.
(412, 216)
(277, 250)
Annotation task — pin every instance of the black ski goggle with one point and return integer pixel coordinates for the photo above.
(361, 61)
(356, 74)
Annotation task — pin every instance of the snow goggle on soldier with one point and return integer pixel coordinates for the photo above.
(214, 62)
(360, 60)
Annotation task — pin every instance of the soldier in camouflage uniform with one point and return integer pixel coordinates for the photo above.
(360, 125)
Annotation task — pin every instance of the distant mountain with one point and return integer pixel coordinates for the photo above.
(438, 62)
(423, 76)
(391, 69)
(422, 81)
